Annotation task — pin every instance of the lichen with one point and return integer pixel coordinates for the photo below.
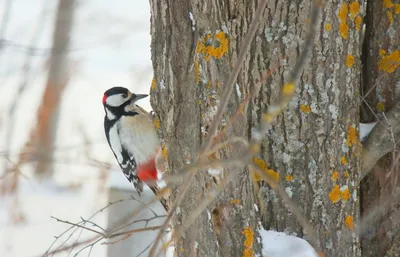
(288, 88)
(335, 175)
(343, 160)
(197, 71)
(349, 60)
(235, 201)
(390, 62)
(344, 30)
(328, 27)
(349, 222)
(335, 194)
(248, 242)
(382, 52)
(273, 175)
(343, 12)
(305, 108)
(397, 8)
(289, 178)
(390, 16)
(153, 84)
(351, 136)
(358, 22)
(345, 194)
(343, 26)
(156, 123)
(164, 151)
(354, 9)
(388, 3)
(216, 46)
(346, 174)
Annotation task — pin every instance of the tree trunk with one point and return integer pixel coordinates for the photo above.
(44, 135)
(381, 91)
(313, 146)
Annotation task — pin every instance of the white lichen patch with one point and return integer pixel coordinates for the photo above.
(289, 192)
(162, 85)
(269, 36)
(314, 108)
(312, 175)
(334, 111)
(285, 158)
(354, 194)
(214, 172)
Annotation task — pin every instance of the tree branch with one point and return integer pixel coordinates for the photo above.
(381, 140)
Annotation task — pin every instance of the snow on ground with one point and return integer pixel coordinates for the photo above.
(110, 46)
(279, 244)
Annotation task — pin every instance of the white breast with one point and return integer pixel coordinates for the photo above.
(138, 136)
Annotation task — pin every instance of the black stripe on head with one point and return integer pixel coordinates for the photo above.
(116, 90)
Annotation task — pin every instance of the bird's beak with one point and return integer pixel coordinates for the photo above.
(138, 97)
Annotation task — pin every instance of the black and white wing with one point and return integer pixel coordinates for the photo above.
(126, 161)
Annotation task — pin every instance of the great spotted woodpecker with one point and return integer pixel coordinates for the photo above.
(132, 137)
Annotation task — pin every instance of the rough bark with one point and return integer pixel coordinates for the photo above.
(311, 142)
(381, 78)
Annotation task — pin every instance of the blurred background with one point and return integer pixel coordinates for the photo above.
(56, 60)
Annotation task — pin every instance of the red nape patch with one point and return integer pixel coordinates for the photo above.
(147, 171)
(104, 98)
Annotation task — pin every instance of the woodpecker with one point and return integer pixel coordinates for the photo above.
(132, 137)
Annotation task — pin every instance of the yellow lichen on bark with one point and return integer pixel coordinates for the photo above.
(335, 194)
(235, 201)
(388, 3)
(358, 22)
(351, 136)
(153, 84)
(328, 27)
(216, 46)
(397, 8)
(273, 175)
(289, 178)
(349, 222)
(350, 60)
(305, 108)
(156, 123)
(346, 174)
(390, 62)
(197, 71)
(343, 26)
(335, 175)
(344, 30)
(343, 12)
(390, 16)
(164, 152)
(382, 52)
(248, 242)
(345, 194)
(354, 9)
(343, 160)
(288, 88)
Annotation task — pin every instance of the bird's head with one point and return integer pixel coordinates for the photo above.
(120, 97)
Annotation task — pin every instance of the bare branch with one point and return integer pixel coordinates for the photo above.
(380, 141)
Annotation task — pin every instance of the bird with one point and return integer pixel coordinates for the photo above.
(132, 137)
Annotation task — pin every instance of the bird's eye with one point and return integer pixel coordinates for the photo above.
(124, 95)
